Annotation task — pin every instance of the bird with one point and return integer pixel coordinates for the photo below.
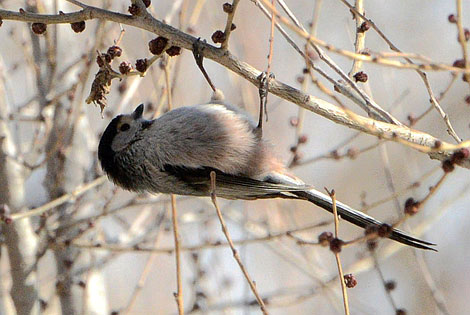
(176, 153)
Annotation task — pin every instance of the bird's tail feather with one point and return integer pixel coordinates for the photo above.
(359, 218)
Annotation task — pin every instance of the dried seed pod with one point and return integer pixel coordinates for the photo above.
(350, 280)
(38, 28)
(390, 285)
(134, 9)
(459, 63)
(114, 51)
(218, 37)
(360, 76)
(447, 166)
(451, 18)
(335, 245)
(157, 45)
(228, 8)
(325, 238)
(384, 230)
(141, 65)
(125, 67)
(365, 26)
(173, 51)
(78, 27)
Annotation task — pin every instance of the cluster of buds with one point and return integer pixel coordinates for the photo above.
(141, 65)
(456, 158)
(106, 58)
(327, 239)
(301, 140)
(218, 37)
(160, 44)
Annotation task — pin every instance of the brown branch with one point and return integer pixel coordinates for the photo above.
(462, 39)
(234, 250)
(421, 203)
(204, 246)
(414, 139)
(359, 45)
(434, 101)
(59, 201)
(228, 26)
(423, 267)
(338, 260)
(179, 291)
(384, 283)
(368, 105)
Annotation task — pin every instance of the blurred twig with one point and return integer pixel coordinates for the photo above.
(59, 201)
(234, 251)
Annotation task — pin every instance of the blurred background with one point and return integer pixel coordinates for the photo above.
(107, 250)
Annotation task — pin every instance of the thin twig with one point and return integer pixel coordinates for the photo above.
(367, 263)
(204, 246)
(264, 80)
(414, 139)
(433, 100)
(384, 282)
(372, 108)
(423, 267)
(359, 45)
(421, 203)
(304, 86)
(168, 87)
(174, 215)
(228, 26)
(179, 281)
(234, 250)
(338, 260)
(142, 279)
(462, 39)
(59, 201)
(77, 3)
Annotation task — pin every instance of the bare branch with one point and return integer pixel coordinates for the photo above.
(234, 251)
(59, 201)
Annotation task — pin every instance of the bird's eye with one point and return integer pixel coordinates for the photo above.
(124, 127)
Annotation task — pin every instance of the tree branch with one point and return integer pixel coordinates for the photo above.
(402, 134)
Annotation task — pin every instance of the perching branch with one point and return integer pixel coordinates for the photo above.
(415, 139)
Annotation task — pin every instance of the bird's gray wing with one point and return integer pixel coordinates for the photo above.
(230, 186)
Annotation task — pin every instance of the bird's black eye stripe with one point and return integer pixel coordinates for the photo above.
(124, 127)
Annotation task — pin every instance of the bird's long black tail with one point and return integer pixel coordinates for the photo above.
(358, 218)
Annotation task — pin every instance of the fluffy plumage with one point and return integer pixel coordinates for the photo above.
(176, 153)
